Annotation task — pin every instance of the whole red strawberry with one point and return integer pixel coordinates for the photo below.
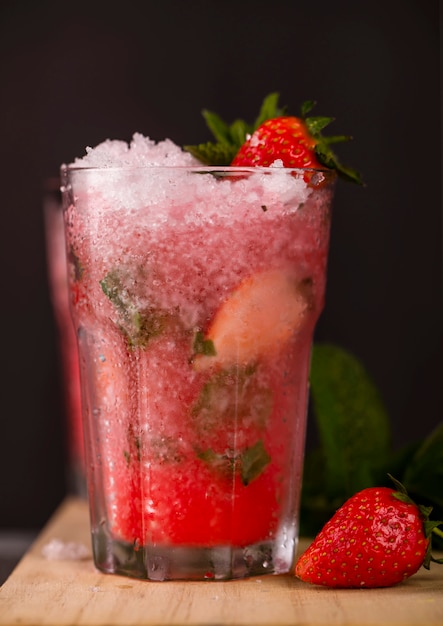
(285, 139)
(378, 538)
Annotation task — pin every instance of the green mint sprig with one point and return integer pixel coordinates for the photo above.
(230, 137)
(355, 448)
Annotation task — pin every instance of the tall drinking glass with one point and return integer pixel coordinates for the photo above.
(195, 293)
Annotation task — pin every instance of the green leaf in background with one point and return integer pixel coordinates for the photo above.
(355, 444)
(354, 433)
(352, 421)
(423, 476)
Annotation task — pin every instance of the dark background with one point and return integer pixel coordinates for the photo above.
(73, 74)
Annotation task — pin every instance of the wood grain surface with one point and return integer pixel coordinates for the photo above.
(72, 592)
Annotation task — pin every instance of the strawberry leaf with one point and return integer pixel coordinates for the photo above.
(401, 493)
(327, 158)
(269, 109)
(306, 107)
(430, 526)
(316, 124)
(336, 139)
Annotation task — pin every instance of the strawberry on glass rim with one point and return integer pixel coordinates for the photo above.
(274, 139)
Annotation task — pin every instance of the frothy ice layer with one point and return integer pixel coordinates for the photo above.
(116, 175)
(140, 152)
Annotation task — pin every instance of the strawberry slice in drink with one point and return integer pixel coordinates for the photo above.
(257, 319)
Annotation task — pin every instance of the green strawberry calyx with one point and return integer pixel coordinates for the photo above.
(229, 138)
(323, 151)
(430, 526)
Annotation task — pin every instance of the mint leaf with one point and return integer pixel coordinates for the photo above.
(249, 463)
(140, 323)
(203, 346)
(253, 462)
(351, 418)
(222, 464)
(112, 286)
(212, 154)
(232, 401)
(230, 398)
(231, 136)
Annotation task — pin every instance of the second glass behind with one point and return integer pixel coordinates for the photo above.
(195, 294)
(66, 336)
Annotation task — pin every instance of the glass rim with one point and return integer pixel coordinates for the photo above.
(204, 169)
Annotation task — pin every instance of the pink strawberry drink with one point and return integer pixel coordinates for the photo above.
(195, 292)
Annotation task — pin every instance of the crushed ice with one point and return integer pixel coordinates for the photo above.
(57, 550)
(114, 172)
(140, 152)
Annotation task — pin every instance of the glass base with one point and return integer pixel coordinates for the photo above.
(192, 562)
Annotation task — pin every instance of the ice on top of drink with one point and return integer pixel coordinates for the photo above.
(195, 290)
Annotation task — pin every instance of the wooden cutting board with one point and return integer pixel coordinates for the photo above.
(72, 592)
